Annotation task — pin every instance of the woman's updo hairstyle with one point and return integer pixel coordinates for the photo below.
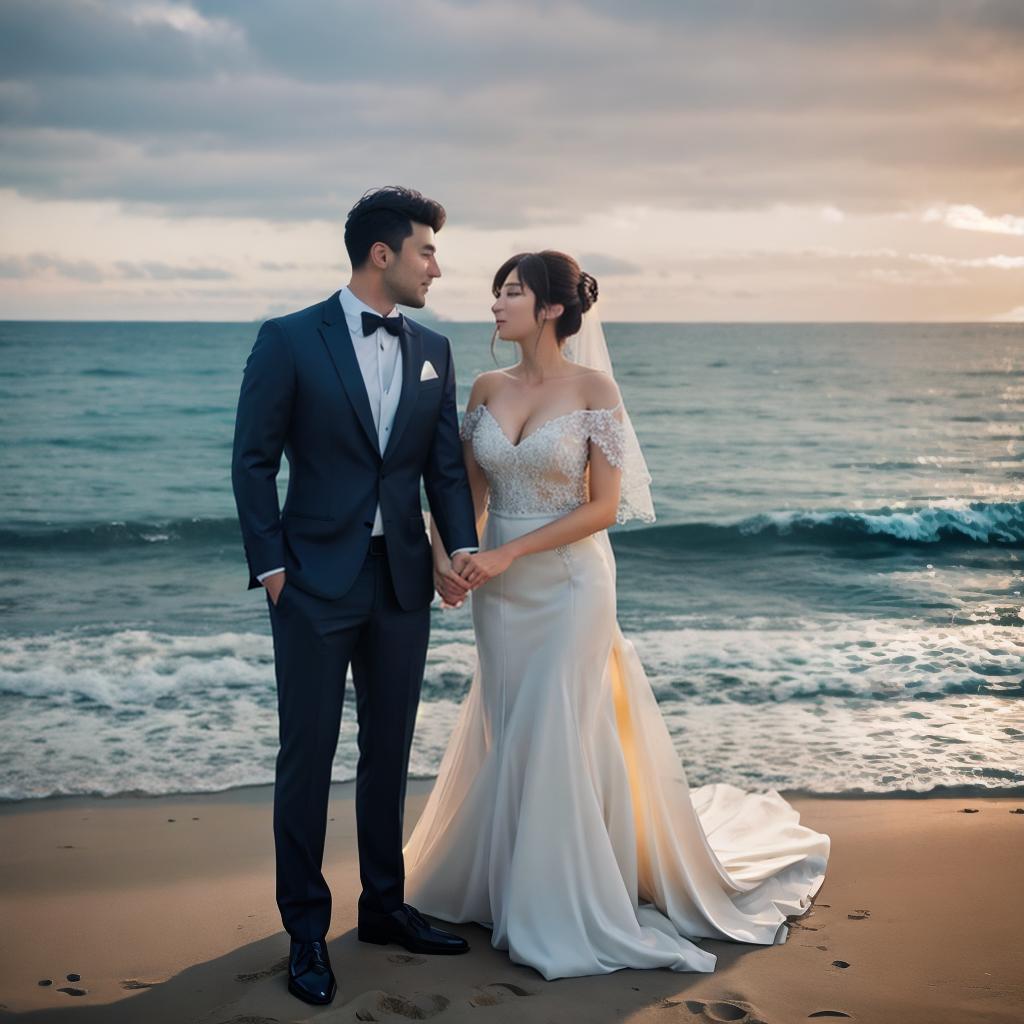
(554, 278)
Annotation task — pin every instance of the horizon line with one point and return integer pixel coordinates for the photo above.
(605, 323)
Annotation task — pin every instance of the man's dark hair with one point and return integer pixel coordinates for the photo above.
(386, 215)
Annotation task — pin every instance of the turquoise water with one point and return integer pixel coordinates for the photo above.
(830, 600)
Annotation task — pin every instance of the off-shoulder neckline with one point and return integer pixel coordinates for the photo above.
(546, 423)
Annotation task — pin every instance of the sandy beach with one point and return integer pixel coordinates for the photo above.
(164, 908)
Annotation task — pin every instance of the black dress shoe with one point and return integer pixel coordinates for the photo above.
(408, 927)
(309, 972)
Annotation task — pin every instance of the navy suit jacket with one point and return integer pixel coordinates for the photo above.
(303, 394)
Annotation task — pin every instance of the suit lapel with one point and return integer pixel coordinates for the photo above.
(412, 361)
(334, 332)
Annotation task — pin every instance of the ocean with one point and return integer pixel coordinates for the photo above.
(829, 602)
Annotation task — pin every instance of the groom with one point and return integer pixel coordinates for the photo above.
(362, 402)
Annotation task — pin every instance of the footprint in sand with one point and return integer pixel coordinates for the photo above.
(721, 1010)
(840, 963)
(968, 810)
(859, 915)
(497, 992)
(377, 1005)
(828, 1013)
(274, 968)
(72, 991)
(133, 983)
(406, 959)
(803, 927)
(1017, 810)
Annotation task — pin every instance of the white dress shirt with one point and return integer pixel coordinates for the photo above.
(380, 362)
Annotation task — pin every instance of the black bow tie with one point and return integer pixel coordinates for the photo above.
(391, 324)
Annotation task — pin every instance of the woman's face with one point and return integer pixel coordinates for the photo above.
(513, 310)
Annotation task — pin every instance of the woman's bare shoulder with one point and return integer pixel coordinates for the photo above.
(484, 386)
(600, 390)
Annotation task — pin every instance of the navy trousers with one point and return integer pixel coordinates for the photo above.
(315, 641)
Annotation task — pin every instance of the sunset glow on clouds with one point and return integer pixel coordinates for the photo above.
(792, 161)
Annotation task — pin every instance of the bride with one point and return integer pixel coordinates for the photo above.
(561, 818)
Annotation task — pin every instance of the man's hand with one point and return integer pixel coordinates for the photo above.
(449, 584)
(459, 562)
(274, 585)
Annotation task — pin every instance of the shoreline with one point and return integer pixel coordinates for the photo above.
(173, 920)
(344, 789)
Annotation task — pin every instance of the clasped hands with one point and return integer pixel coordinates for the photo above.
(454, 578)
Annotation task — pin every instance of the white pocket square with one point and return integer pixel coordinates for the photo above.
(428, 372)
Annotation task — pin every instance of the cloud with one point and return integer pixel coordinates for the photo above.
(113, 39)
(289, 111)
(157, 271)
(32, 264)
(826, 19)
(1013, 316)
(998, 262)
(969, 218)
(597, 263)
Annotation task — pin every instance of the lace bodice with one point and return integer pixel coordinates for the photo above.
(546, 471)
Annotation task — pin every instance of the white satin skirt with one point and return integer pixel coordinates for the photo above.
(561, 817)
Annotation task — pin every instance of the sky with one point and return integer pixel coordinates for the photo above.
(735, 160)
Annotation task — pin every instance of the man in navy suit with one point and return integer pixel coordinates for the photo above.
(361, 400)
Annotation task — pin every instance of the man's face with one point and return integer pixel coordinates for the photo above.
(411, 271)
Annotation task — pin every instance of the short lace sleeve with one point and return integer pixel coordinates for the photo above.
(604, 427)
(617, 439)
(469, 422)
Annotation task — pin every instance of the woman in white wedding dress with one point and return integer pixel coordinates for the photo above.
(561, 818)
